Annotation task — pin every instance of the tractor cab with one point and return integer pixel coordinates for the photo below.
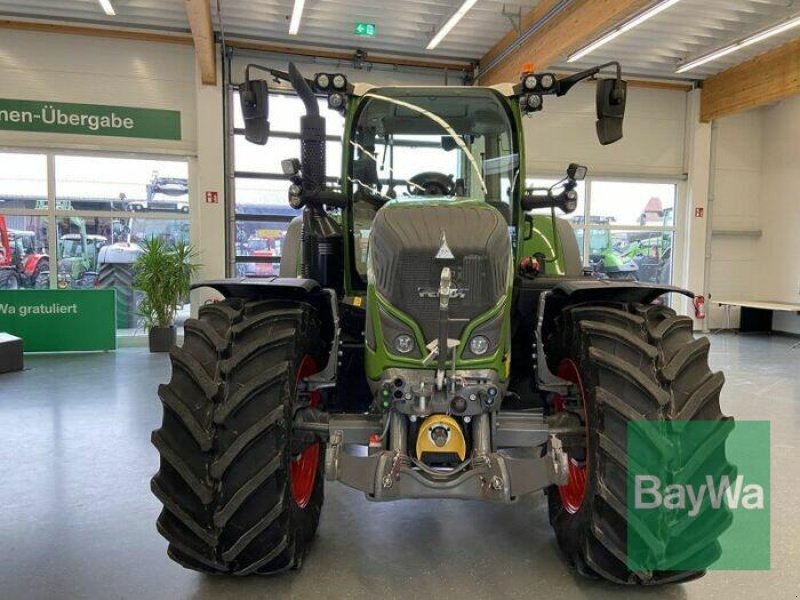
(425, 147)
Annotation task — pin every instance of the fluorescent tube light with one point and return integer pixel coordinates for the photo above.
(626, 26)
(107, 8)
(759, 36)
(297, 14)
(451, 22)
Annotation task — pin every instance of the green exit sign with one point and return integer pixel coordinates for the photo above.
(365, 29)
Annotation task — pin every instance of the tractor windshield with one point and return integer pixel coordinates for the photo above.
(444, 143)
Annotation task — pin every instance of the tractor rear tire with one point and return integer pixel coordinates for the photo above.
(240, 495)
(120, 277)
(632, 363)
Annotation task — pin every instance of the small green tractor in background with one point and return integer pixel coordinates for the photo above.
(428, 337)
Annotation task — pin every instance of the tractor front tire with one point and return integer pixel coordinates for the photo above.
(240, 496)
(633, 362)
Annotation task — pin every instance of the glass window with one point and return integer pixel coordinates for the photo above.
(579, 233)
(79, 244)
(640, 255)
(95, 251)
(624, 229)
(252, 269)
(24, 252)
(255, 196)
(253, 158)
(23, 181)
(285, 111)
(137, 230)
(92, 183)
(260, 238)
(623, 203)
(266, 193)
(99, 252)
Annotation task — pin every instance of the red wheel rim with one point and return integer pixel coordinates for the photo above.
(303, 468)
(573, 492)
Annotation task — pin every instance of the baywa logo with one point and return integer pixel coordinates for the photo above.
(649, 495)
(698, 495)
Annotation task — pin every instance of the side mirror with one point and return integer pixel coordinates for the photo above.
(610, 99)
(254, 98)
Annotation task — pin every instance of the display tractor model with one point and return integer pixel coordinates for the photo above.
(430, 336)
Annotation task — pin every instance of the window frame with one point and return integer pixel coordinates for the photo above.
(52, 214)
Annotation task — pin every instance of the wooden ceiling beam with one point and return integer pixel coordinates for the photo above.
(767, 78)
(104, 32)
(574, 26)
(199, 15)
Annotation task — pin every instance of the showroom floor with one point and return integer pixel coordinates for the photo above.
(77, 517)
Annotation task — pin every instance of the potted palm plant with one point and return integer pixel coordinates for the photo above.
(163, 273)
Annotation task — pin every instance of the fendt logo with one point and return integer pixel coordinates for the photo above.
(434, 293)
(649, 495)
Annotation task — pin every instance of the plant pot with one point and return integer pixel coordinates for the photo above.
(162, 338)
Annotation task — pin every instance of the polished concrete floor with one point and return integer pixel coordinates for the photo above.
(77, 517)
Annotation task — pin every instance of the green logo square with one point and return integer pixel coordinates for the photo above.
(698, 495)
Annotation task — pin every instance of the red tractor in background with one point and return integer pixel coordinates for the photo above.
(21, 263)
(8, 273)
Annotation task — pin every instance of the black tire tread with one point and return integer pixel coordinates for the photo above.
(638, 362)
(224, 440)
(119, 276)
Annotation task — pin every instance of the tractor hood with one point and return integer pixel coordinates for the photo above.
(410, 243)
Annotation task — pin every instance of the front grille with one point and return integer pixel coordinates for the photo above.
(404, 242)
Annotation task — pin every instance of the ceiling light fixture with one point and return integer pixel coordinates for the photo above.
(759, 36)
(107, 8)
(297, 14)
(618, 31)
(451, 22)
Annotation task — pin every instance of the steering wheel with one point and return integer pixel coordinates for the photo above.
(431, 183)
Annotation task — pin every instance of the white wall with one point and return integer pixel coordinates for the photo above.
(756, 211)
(652, 143)
(92, 70)
(779, 253)
(737, 203)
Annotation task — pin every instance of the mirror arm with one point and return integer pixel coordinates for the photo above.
(565, 84)
(277, 75)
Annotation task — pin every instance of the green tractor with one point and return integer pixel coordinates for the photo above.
(607, 259)
(428, 337)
